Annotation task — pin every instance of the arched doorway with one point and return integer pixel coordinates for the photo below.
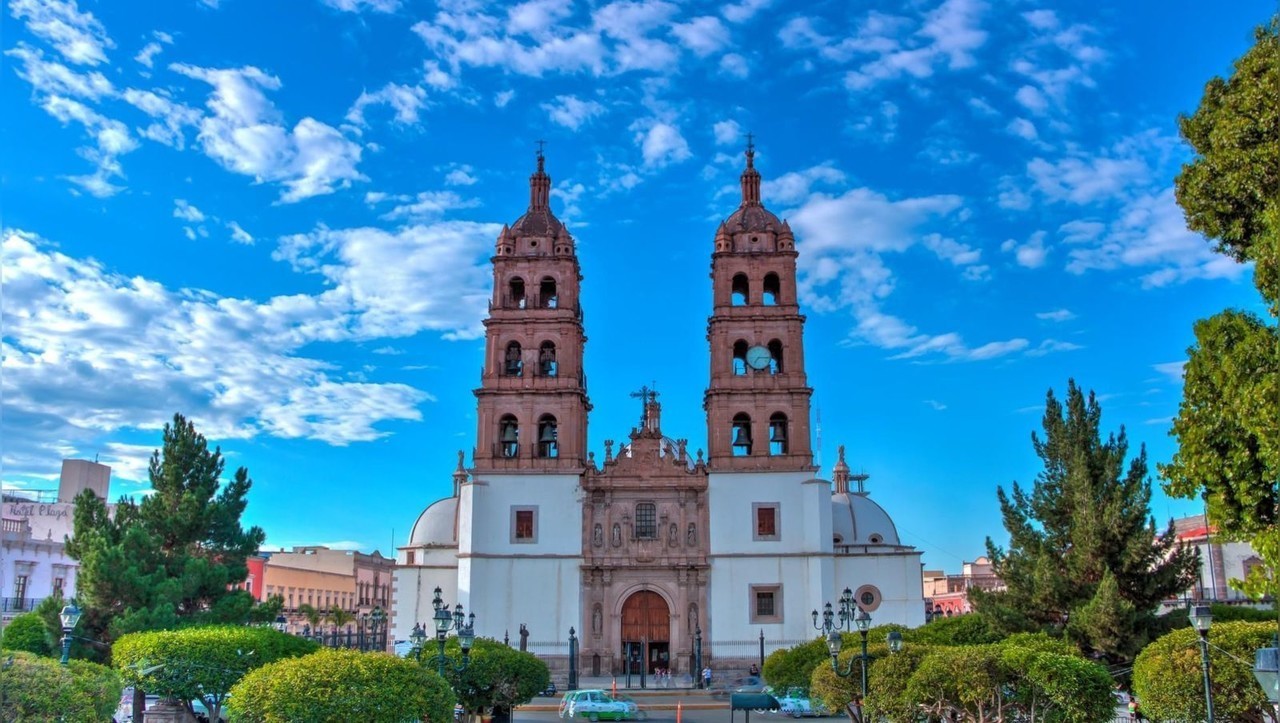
(646, 632)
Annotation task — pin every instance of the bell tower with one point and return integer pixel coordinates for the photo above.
(757, 404)
(532, 402)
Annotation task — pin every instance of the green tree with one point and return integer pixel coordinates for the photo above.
(1168, 679)
(311, 615)
(175, 555)
(337, 686)
(498, 677)
(27, 632)
(339, 617)
(35, 689)
(793, 667)
(970, 629)
(201, 662)
(1082, 544)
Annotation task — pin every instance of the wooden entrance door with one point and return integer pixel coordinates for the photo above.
(645, 616)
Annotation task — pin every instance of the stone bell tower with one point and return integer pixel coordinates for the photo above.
(757, 404)
(532, 402)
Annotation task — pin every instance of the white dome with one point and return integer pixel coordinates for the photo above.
(437, 525)
(857, 520)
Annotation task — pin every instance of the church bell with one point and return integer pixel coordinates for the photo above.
(509, 435)
(548, 434)
(741, 437)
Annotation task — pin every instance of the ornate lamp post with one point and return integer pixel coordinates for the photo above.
(862, 621)
(446, 621)
(697, 654)
(573, 660)
(70, 617)
(1202, 618)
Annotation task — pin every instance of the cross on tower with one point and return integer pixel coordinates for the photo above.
(540, 145)
(751, 145)
(646, 396)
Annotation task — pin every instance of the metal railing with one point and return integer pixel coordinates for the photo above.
(19, 604)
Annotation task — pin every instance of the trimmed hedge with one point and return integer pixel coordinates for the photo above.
(338, 686)
(27, 632)
(1169, 680)
(40, 690)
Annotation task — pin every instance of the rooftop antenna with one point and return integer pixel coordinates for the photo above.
(817, 457)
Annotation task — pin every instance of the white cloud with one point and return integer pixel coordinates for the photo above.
(186, 212)
(1058, 315)
(703, 35)
(502, 98)
(1052, 346)
(357, 6)
(425, 205)
(1029, 255)
(661, 144)
(795, 186)
(1032, 99)
(405, 100)
(49, 77)
(935, 404)
(111, 138)
(727, 132)
(239, 235)
(461, 175)
(951, 251)
(148, 53)
(78, 36)
(744, 10)
(244, 134)
(947, 36)
(734, 66)
(1023, 128)
(1083, 180)
(537, 17)
(172, 117)
(88, 350)
(1172, 370)
(572, 112)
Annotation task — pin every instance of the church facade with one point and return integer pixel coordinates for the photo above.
(652, 547)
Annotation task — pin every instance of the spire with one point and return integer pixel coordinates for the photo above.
(840, 473)
(539, 184)
(751, 177)
(459, 475)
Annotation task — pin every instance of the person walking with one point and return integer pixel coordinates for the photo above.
(706, 677)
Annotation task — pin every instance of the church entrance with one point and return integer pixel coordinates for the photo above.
(646, 633)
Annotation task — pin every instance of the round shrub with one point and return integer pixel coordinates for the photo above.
(27, 632)
(337, 686)
(40, 690)
(1169, 682)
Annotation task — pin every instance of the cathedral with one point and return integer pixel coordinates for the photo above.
(651, 546)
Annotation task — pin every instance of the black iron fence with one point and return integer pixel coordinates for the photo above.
(19, 604)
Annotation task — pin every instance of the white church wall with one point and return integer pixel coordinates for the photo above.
(801, 579)
(412, 590)
(544, 593)
(896, 577)
(486, 515)
(732, 499)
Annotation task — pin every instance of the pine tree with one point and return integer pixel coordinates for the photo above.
(172, 557)
(1084, 557)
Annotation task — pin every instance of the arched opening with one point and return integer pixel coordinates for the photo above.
(778, 433)
(547, 445)
(515, 292)
(513, 360)
(775, 352)
(771, 289)
(739, 357)
(741, 438)
(740, 290)
(646, 632)
(547, 364)
(508, 436)
(547, 293)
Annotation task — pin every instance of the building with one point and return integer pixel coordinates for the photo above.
(1221, 561)
(947, 595)
(34, 526)
(650, 547)
(354, 582)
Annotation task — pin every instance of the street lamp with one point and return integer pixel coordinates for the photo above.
(70, 616)
(862, 621)
(446, 621)
(1202, 618)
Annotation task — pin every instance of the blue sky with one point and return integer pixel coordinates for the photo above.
(276, 218)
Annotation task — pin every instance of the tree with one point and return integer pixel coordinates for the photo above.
(27, 632)
(175, 555)
(793, 667)
(37, 689)
(201, 662)
(1082, 545)
(1168, 679)
(1228, 425)
(339, 617)
(337, 686)
(311, 615)
(498, 677)
(969, 629)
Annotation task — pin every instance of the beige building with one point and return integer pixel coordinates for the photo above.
(323, 578)
(947, 595)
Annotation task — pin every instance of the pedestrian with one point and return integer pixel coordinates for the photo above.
(754, 670)
(706, 677)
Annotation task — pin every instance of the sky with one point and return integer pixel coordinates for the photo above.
(276, 218)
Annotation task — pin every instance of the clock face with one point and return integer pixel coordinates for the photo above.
(758, 357)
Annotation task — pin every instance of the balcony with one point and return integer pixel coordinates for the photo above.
(19, 604)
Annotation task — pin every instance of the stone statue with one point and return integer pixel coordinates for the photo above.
(691, 538)
(524, 638)
(673, 535)
(596, 619)
(597, 536)
(617, 534)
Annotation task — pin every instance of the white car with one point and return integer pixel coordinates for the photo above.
(797, 704)
(595, 705)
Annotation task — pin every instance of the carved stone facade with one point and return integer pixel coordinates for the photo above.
(645, 567)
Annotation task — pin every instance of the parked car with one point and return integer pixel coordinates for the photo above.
(550, 690)
(747, 684)
(595, 704)
(796, 703)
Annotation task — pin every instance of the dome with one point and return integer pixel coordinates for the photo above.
(857, 520)
(752, 217)
(538, 222)
(437, 525)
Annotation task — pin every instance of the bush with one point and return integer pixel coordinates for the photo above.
(791, 667)
(970, 629)
(337, 686)
(498, 677)
(40, 690)
(201, 663)
(27, 632)
(1168, 677)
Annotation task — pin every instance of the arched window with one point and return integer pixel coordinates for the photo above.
(547, 293)
(513, 360)
(775, 352)
(778, 433)
(646, 521)
(770, 290)
(547, 445)
(740, 290)
(547, 365)
(515, 292)
(508, 436)
(739, 357)
(741, 438)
